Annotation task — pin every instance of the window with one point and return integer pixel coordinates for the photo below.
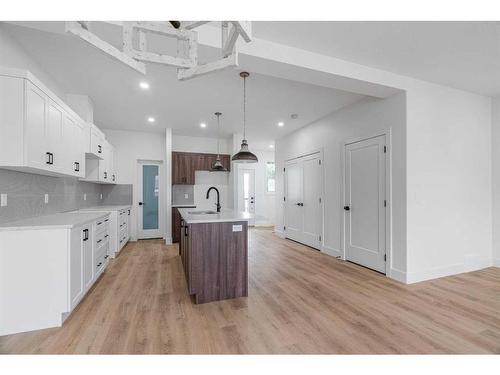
(270, 177)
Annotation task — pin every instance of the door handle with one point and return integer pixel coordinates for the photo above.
(140, 203)
(347, 208)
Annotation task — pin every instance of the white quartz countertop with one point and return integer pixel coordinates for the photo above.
(220, 217)
(64, 220)
(106, 208)
(183, 205)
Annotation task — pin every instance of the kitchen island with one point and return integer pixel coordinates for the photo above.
(214, 252)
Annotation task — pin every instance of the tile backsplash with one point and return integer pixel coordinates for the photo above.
(26, 194)
(182, 194)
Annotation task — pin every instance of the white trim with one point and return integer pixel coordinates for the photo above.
(388, 193)
(168, 240)
(437, 272)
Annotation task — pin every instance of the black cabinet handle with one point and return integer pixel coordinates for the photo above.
(85, 234)
(106, 257)
(347, 208)
(50, 158)
(99, 149)
(77, 166)
(105, 175)
(106, 236)
(99, 265)
(99, 241)
(186, 231)
(128, 212)
(113, 177)
(106, 220)
(99, 223)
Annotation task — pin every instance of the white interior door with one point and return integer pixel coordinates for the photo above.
(149, 219)
(303, 189)
(364, 208)
(246, 191)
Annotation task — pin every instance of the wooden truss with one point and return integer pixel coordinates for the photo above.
(135, 53)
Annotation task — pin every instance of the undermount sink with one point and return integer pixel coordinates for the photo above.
(206, 212)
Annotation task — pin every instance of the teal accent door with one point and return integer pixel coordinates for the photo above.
(150, 194)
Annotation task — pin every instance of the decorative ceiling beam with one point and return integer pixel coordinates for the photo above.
(214, 66)
(78, 30)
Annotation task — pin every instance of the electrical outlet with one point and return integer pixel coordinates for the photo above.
(3, 200)
(84, 197)
(46, 198)
(186, 196)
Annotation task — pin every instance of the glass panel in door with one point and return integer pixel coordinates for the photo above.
(150, 194)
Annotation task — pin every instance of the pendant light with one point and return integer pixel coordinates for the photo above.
(217, 165)
(244, 155)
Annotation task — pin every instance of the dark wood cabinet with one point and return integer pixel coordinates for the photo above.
(184, 164)
(215, 260)
(176, 225)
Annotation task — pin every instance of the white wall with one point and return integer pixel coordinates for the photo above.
(133, 146)
(207, 145)
(495, 142)
(363, 119)
(449, 194)
(12, 55)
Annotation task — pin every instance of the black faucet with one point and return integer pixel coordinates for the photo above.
(218, 197)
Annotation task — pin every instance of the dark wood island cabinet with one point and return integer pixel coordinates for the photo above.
(214, 255)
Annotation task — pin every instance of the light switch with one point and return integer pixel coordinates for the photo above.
(46, 198)
(186, 196)
(101, 195)
(3, 200)
(85, 197)
(237, 228)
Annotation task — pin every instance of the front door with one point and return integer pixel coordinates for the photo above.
(364, 209)
(149, 200)
(246, 191)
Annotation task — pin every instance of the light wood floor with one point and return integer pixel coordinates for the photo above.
(300, 301)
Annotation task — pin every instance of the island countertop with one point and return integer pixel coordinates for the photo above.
(219, 217)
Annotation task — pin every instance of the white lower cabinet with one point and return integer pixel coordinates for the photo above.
(45, 273)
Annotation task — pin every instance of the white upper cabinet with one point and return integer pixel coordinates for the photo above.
(39, 133)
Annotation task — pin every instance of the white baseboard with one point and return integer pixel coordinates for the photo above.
(435, 273)
(332, 251)
(397, 275)
(279, 233)
(168, 240)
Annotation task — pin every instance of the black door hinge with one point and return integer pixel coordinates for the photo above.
(319, 161)
(284, 199)
(319, 238)
(385, 203)
(385, 257)
(283, 169)
(284, 228)
(385, 149)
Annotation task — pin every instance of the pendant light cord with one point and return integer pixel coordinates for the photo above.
(244, 106)
(218, 133)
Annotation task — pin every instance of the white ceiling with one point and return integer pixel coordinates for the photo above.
(464, 55)
(120, 104)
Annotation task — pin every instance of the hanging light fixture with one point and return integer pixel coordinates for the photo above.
(244, 155)
(217, 165)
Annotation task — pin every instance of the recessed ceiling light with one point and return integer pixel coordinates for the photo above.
(281, 123)
(144, 85)
(203, 125)
(151, 119)
(271, 146)
(294, 116)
